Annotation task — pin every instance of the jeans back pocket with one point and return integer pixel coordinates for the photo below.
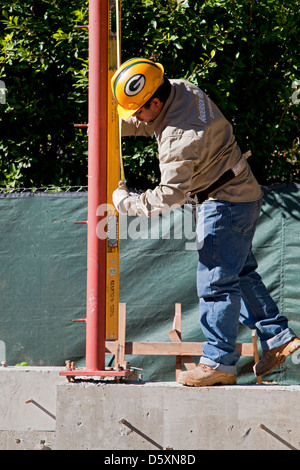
(244, 216)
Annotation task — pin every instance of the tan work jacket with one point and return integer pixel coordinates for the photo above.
(196, 146)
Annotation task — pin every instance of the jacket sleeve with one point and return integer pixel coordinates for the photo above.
(178, 156)
(138, 128)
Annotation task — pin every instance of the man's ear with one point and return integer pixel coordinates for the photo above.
(158, 103)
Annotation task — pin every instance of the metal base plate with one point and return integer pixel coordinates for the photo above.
(101, 374)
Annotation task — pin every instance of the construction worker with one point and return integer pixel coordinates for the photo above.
(200, 160)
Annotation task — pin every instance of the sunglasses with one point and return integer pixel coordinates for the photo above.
(138, 111)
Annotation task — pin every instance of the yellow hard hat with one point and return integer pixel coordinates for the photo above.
(134, 83)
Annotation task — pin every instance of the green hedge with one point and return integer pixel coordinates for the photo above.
(244, 54)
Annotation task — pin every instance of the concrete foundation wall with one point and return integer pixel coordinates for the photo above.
(28, 407)
(158, 415)
(142, 416)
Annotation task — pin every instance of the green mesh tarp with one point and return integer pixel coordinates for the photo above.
(43, 279)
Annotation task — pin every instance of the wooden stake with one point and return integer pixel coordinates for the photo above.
(255, 353)
(121, 344)
(176, 337)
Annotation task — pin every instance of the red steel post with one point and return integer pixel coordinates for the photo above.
(97, 195)
(97, 154)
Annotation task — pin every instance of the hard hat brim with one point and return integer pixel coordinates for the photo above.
(126, 113)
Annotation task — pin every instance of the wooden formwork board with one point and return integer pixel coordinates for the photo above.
(183, 351)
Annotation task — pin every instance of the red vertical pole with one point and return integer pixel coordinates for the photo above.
(97, 195)
(97, 154)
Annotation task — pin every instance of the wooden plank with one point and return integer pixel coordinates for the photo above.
(120, 350)
(187, 361)
(175, 336)
(145, 348)
(255, 353)
(245, 349)
(177, 319)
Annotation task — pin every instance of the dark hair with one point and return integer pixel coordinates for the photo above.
(162, 92)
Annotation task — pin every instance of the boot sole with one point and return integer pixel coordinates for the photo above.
(290, 349)
(278, 361)
(195, 383)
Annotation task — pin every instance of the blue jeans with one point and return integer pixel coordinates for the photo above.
(229, 288)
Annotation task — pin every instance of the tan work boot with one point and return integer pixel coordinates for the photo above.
(275, 357)
(204, 376)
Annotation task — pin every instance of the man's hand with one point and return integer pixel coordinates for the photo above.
(119, 195)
